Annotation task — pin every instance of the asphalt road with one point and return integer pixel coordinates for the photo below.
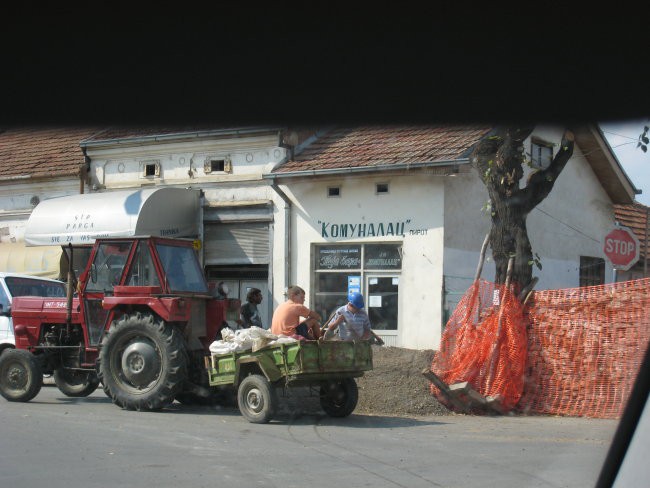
(56, 441)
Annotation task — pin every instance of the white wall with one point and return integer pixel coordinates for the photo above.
(182, 163)
(15, 202)
(416, 200)
(571, 222)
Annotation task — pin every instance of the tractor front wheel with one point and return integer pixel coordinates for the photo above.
(142, 363)
(21, 375)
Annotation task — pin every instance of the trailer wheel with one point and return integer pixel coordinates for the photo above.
(142, 364)
(75, 383)
(339, 398)
(257, 399)
(21, 375)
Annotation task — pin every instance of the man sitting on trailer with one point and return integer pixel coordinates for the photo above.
(286, 318)
(351, 319)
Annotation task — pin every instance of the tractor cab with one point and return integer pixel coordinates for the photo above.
(123, 275)
(167, 263)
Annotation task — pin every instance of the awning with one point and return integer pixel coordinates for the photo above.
(80, 219)
(44, 261)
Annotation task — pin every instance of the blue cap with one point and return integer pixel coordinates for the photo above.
(356, 299)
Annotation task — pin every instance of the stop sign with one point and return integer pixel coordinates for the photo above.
(622, 248)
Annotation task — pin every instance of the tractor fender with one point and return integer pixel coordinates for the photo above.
(169, 309)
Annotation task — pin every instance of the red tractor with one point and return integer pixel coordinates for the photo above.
(140, 323)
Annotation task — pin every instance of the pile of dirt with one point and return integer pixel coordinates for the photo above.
(395, 386)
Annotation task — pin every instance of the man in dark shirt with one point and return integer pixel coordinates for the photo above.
(249, 313)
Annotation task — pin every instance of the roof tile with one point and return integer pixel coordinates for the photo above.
(347, 147)
(635, 217)
(36, 152)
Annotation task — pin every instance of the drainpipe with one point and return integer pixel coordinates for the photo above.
(201, 235)
(84, 169)
(287, 233)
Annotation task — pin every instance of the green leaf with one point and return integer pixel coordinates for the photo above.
(645, 139)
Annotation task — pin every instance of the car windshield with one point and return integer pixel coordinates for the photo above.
(23, 286)
(181, 268)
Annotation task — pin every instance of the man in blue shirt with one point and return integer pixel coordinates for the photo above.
(351, 319)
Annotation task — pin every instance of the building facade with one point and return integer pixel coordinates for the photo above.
(396, 213)
(374, 210)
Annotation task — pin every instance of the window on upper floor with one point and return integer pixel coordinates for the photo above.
(592, 271)
(223, 165)
(541, 153)
(217, 165)
(150, 169)
(334, 191)
(381, 188)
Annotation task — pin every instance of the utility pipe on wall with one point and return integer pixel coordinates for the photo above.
(287, 233)
(84, 168)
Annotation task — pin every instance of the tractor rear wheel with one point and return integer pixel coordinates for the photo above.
(257, 399)
(75, 383)
(21, 375)
(339, 398)
(142, 363)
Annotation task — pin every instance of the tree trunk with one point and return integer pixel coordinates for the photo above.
(499, 159)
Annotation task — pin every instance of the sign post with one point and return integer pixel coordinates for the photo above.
(622, 248)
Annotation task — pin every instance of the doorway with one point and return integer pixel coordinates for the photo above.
(245, 286)
(382, 291)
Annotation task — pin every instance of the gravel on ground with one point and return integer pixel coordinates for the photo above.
(396, 386)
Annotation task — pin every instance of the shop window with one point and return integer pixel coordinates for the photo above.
(382, 256)
(592, 271)
(339, 269)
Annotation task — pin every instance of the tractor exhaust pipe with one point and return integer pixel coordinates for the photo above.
(70, 291)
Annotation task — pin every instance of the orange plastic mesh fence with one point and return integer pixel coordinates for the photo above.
(484, 343)
(586, 346)
(571, 352)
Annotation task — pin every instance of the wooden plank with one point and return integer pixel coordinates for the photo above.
(465, 389)
(444, 389)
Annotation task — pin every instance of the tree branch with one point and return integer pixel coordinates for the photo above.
(540, 183)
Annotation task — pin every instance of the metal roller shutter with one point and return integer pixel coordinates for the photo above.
(243, 243)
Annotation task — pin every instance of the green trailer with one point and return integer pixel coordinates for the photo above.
(329, 366)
